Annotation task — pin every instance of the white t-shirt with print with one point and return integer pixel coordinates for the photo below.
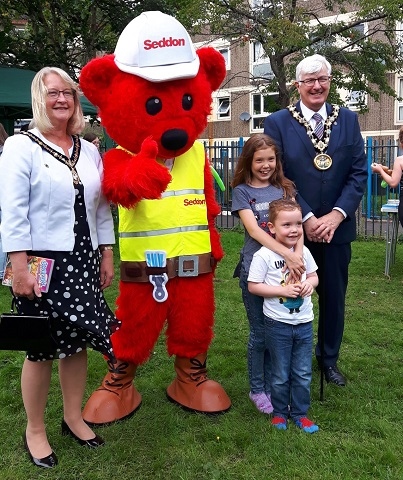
(266, 267)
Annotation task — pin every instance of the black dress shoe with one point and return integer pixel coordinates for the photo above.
(47, 462)
(95, 442)
(333, 375)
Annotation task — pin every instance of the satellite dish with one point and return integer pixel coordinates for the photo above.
(245, 116)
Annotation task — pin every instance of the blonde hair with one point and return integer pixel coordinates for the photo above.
(39, 92)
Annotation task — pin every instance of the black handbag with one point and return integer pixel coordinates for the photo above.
(25, 332)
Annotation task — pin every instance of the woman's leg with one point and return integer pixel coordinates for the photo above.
(35, 382)
(73, 377)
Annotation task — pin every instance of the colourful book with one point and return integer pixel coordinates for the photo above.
(40, 267)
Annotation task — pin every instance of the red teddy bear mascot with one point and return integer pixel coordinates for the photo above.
(154, 97)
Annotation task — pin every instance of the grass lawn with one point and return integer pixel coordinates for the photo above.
(361, 425)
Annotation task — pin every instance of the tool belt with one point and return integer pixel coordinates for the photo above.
(183, 266)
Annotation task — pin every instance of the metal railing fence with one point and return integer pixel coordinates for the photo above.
(371, 222)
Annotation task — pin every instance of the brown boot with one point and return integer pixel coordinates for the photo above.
(116, 399)
(192, 390)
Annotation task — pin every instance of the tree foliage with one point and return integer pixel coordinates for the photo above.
(65, 33)
(358, 37)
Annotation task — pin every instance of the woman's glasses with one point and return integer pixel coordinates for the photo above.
(67, 94)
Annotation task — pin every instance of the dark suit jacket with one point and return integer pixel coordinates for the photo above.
(342, 185)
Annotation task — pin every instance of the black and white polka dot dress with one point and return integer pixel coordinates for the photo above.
(78, 310)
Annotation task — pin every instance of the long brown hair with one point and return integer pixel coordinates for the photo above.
(243, 171)
(3, 135)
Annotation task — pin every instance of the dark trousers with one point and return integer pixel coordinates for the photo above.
(333, 261)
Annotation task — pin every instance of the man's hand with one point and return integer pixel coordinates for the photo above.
(322, 229)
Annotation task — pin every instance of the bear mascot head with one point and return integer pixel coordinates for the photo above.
(154, 96)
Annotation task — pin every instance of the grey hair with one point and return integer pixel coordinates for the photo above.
(39, 92)
(312, 64)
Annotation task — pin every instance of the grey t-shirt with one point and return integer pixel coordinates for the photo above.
(246, 197)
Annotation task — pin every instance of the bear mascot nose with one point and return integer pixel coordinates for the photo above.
(174, 139)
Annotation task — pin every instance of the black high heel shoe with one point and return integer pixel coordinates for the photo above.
(95, 442)
(47, 462)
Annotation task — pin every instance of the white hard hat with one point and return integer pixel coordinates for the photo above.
(156, 47)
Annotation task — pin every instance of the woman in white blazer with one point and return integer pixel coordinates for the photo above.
(52, 206)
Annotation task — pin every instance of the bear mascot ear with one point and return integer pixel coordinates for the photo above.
(96, 77)
(213, 63)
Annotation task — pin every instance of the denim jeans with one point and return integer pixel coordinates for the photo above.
(259, 366)
(291, 361)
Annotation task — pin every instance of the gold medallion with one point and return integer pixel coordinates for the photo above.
(322, 161)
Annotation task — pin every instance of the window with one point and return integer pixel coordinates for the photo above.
(261, 68)
(349, 40)
(400, 102)
(225, 53)
(262, 106)
(357, 33)
(223, 108)
(265, 4)
(355, 99)
(399, 36)
(223, 46)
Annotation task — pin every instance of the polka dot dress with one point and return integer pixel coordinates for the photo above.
(75, 302)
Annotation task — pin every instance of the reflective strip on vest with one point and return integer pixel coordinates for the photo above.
(177, 222)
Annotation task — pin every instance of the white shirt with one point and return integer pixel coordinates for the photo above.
(308, 114)
(266, 267)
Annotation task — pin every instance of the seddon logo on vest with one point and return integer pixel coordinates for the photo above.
(195, 201)
(164, 42)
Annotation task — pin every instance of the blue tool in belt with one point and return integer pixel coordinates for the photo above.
(157, 258)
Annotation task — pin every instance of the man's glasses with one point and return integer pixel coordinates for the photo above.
(68, 94)
(310, 82)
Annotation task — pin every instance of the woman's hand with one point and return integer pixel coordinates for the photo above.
(24, 283)
(106, 269)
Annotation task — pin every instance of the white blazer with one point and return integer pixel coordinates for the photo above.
(37, 197)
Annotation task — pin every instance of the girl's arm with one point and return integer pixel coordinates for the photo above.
(291, 290)
(392, 179)
(293, 260)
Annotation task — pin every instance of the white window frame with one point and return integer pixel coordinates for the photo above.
(352, 102)
(399, 35)
(343, 17)
(261, 114)
(223, 46)
(259, 59)
(226, 53)
(349, 98)
(399, 103)
(223, 107)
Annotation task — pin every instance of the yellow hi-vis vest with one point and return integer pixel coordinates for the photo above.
(177, 222)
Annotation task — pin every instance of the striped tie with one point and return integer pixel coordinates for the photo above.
(319, 125)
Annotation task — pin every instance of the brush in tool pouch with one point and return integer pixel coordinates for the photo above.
(25, 332)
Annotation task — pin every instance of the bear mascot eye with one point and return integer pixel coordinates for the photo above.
(187, 102)
(154, 105)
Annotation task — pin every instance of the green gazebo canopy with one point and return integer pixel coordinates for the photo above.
(15, 97)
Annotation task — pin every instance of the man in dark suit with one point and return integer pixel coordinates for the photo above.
(324, 156)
